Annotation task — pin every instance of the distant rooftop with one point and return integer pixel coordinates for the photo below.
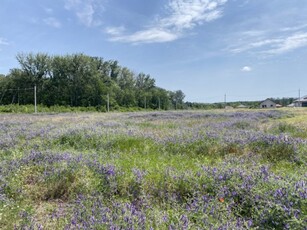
(302, 99)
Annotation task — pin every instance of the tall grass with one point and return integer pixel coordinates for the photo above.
(159, 170)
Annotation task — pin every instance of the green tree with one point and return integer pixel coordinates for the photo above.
(144, 82)
(177, 98)
(36, 71)
(81, 80)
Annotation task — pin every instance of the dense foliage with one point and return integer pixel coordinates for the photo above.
(157, 170)
(80, 80)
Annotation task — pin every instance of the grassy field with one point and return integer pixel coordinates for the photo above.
(154, 170)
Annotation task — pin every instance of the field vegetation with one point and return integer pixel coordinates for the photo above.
(154, 170)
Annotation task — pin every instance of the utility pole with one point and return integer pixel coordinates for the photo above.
(18, 95)
(299, 97)
(108, 103)
(35, 106)
(159, 104)
(225, 100)
(145, 103)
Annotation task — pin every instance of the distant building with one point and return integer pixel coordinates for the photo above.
(267, 104)
(301, 102)
(291, 105)
(278, 106)
(242, 106)
(228, 107)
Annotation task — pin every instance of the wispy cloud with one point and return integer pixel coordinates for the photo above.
(53, 22)
(181, 15)
(86, 11)
(115, 30)
(290, 43)
(48, 10)
(255, 45)
(186, 14)
(294, 28)
(275, 45)
(272, 41)
(154, 35)
(4, 42)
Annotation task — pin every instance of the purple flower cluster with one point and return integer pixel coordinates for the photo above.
(73, 159)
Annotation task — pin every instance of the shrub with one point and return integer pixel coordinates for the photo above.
(274, 151)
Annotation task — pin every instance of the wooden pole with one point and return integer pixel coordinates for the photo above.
(108, 103)
(35, 102)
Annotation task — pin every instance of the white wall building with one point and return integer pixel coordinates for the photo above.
(301, 102)
(267, 104)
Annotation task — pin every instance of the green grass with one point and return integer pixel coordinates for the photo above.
(166, 168)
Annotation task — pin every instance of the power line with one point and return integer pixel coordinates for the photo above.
(19, 89)
(263, 95)
(258, 95)
(17, 92)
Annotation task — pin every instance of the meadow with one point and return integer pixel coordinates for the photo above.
(154, 170)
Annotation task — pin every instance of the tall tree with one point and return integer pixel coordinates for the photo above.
(115, 70)
(177, 98)
(81, 80)
(35, 65)
(144, 82)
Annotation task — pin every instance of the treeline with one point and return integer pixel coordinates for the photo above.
(221, 105)
(79, 80)
(248, 104)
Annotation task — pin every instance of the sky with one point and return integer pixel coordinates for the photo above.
(244, 49)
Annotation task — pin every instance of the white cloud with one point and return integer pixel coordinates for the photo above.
(186, 14)
(252, 33)
(153, 35)
(181, 15)
(255, 45)
(53, 22)
(246, 69)
(271, 43)
(85, 10)
(290, 43)
(115, 30)
(4, 42)
(294, 28)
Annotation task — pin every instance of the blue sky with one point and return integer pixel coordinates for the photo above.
(246, 49)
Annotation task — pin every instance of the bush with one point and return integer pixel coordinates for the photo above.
(274, 151)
